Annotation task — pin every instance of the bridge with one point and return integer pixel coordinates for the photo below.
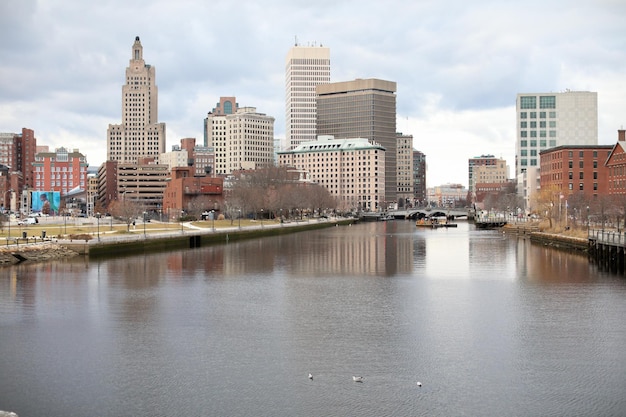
(423, 212)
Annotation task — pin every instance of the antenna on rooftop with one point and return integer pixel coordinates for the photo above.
(296, 40)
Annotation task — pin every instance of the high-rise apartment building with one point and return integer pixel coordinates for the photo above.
(140, 135)
(306, 67)
(363, 108)
(549, 120)
(241, 139)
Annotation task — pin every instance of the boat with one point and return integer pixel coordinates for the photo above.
(433, 223)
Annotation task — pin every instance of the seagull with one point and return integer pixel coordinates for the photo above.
(357, 378)
(310, 376)
(419, 384)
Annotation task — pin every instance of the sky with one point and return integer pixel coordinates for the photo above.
(458, 64)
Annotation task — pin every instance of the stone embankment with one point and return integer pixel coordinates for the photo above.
(555, 240)
(33, 252)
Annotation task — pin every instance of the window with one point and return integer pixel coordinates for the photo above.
(533, 143)
(595, 154)
(580, 164)
(523, 125)
(523, 162)
(533, 152)
(571, 186)
(580, 186)
(552, 134)
(542, 124)
(533, 125)
(552, 115)
(533, 133)
(533, 162)
(547, 102)
(528, 102)
(581, 154)
(571, 164)
(552, 124)
(542, 133)
(524, 143)
(595, 186)
(543, 143)
(524, 134)
(533, 114)
(524, 152)
(595, 175)
(570, 154)
(595, 164)
(571, 175)
(581, 176)
(523, 115)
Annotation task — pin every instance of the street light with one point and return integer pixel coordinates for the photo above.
(182, 212)
(587, 220)
(261, 218)
(213, 219)
(239, 210)
(9, 211)
(144, 224)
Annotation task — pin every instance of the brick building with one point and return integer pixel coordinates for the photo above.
(184, 187)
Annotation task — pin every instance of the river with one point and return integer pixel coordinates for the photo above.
(491, 325)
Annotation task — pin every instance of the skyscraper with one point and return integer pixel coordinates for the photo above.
(140, 135)
(363, 108)
(306, 67)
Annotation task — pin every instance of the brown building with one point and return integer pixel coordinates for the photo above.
(184, 190)
(61, 171)
(575, 169)
(616, 166)
(17, 153)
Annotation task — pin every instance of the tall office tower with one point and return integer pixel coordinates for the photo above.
(419, 178)
(140, 135)
(241, 138)
(553, 119)
(306, 67)
(363, 108)
(404, 160)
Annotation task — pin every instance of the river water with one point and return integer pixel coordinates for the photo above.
(490, 325)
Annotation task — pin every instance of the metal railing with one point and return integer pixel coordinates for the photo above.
(608, 237)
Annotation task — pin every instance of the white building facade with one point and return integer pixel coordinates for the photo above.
(306, 67)
(242, 140)
(139, 135)
(548, 120)
(352, 170)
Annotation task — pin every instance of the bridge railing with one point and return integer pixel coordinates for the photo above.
(608, 237)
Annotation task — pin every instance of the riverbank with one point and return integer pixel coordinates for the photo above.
(556, 240)
(114, 244)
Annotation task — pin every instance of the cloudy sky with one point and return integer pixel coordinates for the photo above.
(458, 64)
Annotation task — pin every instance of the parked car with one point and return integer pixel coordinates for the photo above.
(27, 221)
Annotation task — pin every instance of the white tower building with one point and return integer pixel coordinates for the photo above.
(306, 67)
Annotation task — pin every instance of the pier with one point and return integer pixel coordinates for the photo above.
(607, 249)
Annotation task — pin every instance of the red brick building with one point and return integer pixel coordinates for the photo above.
(616, 165)
(576, 169)
(61, 171)
(184, 187)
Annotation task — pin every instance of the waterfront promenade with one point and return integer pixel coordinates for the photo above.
(107, 240)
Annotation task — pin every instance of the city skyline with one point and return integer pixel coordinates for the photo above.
(458, 66)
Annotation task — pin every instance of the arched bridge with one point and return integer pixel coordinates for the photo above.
(419, 213)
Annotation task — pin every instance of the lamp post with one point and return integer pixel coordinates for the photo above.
(213, 220)
(182, 212)
(261, 218)
(8, 211)
(587, 220)
(281, 217)
(144, 224)
(98, 219)
(239, 218)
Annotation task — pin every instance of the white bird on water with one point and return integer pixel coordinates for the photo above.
(419, 384)
(357, 378)
(310, 376)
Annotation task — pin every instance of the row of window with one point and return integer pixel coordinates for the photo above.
(542, 124)
(542, 134)
(545, 102)
(533, 115)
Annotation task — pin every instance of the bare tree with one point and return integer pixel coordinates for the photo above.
(127, 211)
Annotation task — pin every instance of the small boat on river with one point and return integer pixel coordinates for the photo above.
(433, 223)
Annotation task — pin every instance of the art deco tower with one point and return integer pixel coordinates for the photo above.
(306, 67)
(140, 135)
